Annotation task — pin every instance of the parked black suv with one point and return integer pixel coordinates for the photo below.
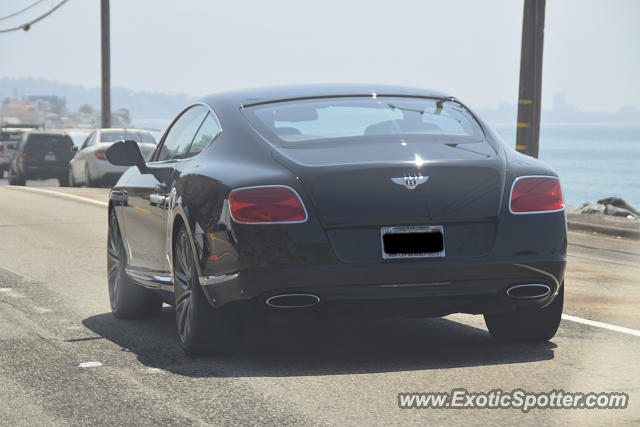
(41, 155)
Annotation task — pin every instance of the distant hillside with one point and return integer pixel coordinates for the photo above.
(140, 104)
(162, 107)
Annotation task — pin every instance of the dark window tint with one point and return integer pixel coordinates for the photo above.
(207, 132)
(180, 135)
(48, 142)
(109, 136)
(10, 136)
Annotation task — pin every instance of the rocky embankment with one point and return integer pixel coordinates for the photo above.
(610, 206)
(612, 216)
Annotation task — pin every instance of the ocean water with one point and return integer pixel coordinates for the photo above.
(593, 160)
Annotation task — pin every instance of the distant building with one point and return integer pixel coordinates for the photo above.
(52, 111)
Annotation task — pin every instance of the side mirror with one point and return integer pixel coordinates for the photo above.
(126, 153)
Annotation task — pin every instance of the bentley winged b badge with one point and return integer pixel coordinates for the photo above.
(410, 181)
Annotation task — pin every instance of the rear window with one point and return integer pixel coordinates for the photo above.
(48, 142)
(133, 136)
(293, 122)
(11, 136)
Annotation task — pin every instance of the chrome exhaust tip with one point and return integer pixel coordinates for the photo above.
(529, 291)
(293, 301)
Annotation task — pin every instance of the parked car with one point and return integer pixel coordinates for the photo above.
(340, 199)
(9, 137)
(90, 166)
(41, 155)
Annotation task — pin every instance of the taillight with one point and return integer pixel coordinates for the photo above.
(533, 194)
(1, 148)
(266, 204)
(100, 154)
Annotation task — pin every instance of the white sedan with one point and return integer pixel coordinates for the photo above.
(90, 165)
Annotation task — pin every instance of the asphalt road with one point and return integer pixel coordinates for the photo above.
(54, 316)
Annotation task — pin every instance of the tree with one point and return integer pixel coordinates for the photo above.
(86, 109)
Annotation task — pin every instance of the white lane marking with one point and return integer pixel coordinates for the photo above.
(602, 325)
(60, 194)
(7, 290)
(89, 365)
(41, 310)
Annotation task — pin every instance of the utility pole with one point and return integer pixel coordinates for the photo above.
(106, 63)
(530, 93)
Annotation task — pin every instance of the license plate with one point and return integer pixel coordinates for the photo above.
(50, 157)
(412, 241)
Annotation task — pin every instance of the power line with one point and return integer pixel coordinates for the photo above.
(2, 18)
(28, 25)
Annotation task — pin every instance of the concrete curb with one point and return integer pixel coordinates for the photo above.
(628, 233)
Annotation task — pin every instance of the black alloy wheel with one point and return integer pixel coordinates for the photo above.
(202, 329)
(127, 298)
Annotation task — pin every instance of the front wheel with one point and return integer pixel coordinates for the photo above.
(527, 323)
(202, 329)
(126, 297)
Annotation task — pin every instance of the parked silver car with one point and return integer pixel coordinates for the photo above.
(90, 165)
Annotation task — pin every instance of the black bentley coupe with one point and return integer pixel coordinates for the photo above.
(336, 200)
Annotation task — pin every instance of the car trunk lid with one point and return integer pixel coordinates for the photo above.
(411, 180)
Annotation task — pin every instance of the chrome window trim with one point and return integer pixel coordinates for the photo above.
(161, 142)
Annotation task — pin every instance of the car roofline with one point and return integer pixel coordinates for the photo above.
(246, 97)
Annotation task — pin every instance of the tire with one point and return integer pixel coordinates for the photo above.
(127, 298)
(11, 177)
(88, 182)
(527, 324)
(18, 179)
(72, 182)
(63, 180)
(202, 329)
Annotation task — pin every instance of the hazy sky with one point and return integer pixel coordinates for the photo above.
(470, 49)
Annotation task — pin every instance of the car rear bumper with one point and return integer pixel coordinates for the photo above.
(344, 266)
(404, 288)
(43, 171)
(104, 170)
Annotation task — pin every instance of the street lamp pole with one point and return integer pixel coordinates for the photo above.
(530, 93)
(106, 63)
